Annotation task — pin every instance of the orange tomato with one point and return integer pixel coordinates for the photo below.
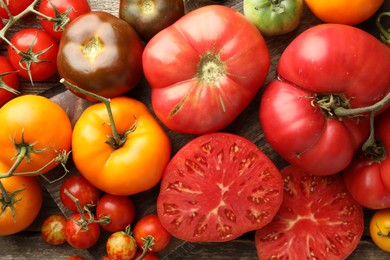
(380, 229)
(135, 166)
(27, 202)
(344, 11)
(37, 123)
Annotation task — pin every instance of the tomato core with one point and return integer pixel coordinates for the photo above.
(147, 6)
(330, 102)
(92, 48)
(210, 68)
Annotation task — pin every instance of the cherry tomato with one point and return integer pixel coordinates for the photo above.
(148, 17)
(121, 245)
(120, 210)
(9, 81)
(27, 196)
(380, 229)
(53, 229)
(135, 166)
(147, 256)
(150, 225)
(344, 11)
(81, 189)
(39, 127)
(75, 257)
(81, 234)
(35, 44)
(14, 6)
(65, 11)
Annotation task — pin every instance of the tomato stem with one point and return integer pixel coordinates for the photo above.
(4, 195)
(118, 142)
(146, 245)
(384, 33)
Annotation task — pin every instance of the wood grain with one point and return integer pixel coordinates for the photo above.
(29, 245)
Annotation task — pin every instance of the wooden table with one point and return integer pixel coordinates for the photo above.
(29, 244)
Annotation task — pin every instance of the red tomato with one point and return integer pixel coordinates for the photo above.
(121, 246)
(150, 225)
(148, 256)
(9, 81)
(64, 11)
(243, 189)
(81, 235)
(14, 6)
(53, 229)
(120, 209)
(221, 68)
(27, 195)
(368, 176)
(41, 62)
(318, 219)
(75, 257)
(81, 189)
(326, 68)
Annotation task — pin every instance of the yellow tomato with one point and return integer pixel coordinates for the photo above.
(380, 229)
(344, 11)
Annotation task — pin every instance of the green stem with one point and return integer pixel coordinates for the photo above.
(341, 112)
(115, 135)
(19, 158)
(385, 34)
(6, 197)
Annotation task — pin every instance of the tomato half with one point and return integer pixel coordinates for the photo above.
(135, 166)
(217, 187)
(202, 77)
(35, 125)
(318, 219)
(380, 229)
(327, 68)
(100, 53)
(9, 81)
(344, 11)
(28, 197)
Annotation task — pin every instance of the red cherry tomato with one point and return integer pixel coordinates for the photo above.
(9, 81)
(80, 234)
(14, 6)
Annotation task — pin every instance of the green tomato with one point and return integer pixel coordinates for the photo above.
(274, 17)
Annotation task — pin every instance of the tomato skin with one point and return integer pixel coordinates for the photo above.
(120, 209)
(367, 179)
(117, 52)
(212, 87)
(379, 229)
(22, 40)
(53, 229)
(81, 189)
(121, 246)
(274, 17)
(150, 17)
(27, 114)
(150, 225)
(323, 144)
(27, 207)
(11, 80)
(15, 7)
(318, 219)
(344, 11)
(78, 7)
(137, 165)
(243, 189)
(81, 238)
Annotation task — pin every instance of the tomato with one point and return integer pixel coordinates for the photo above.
(209, 72)
(148, 17)
(367, 176)
(344, 11)
(27, 196)
(75, 257)
(81, 235)
(318, 219)
(120, 210)
(242, 187)
(41, 51)
(14, 6)
(148, 256)
(9, 81)
(121, 246)
(36, 127)
(325, 69)
(63, 11)
(53, 229)
(274, 17)
(380, 229)
(150, 225)
(104, 58)
(135, 166)
(82, 190)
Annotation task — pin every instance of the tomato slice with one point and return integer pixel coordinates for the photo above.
(218, 187)
(318, 219)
